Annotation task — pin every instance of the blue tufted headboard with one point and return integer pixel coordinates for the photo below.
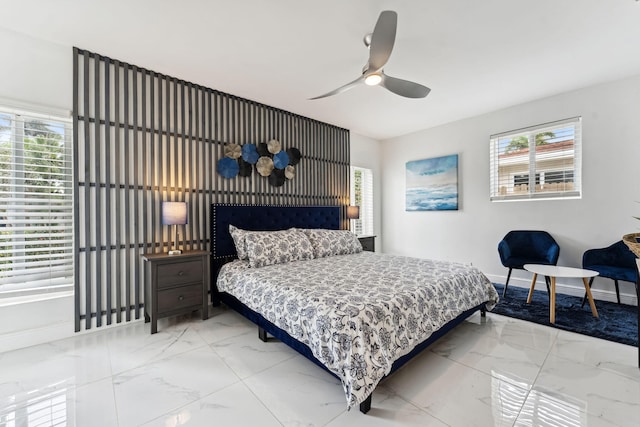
(260, 218)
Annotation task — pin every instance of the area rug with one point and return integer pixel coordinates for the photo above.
(616, 322)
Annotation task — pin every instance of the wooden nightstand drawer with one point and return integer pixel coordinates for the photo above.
(182, 297)
(179, 273)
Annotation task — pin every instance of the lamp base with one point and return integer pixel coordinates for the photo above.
(175, 252)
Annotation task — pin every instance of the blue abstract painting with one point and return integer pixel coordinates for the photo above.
(432, 184)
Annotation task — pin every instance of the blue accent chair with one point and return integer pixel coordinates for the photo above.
(520, 247)
(614, 262)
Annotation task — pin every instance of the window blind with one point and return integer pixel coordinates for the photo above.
(538, 162)
(362, 196)
(36, 216)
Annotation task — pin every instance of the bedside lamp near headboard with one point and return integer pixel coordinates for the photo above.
(175, 213)
(353, 212)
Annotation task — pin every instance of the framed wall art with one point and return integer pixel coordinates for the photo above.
(432, 184)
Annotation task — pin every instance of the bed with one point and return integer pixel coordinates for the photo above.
(356, 314)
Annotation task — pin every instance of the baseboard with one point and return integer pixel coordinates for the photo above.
(31, 337)
(571, 289)
(42, 335)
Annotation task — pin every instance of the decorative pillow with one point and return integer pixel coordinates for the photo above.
(332, 242)
(277, 247)
(238, 235)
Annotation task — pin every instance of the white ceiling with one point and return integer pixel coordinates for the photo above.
(477, 56)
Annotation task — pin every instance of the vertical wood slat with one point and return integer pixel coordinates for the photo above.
(183, 141)
(159, 169)
(195, 181)
(145, 163)
(98, 196)
(127, 200)
(76, 188)
(162, 139)
(87, 190)
(152, 161)
(118, 193)
(107, 189)
(136, 192)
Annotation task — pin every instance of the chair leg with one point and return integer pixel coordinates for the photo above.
(584, 298)
(548, 283)
(504, 292)
(617, 290)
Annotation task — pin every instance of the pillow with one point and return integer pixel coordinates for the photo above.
(277, 247)
(238, 237)
(332, 242)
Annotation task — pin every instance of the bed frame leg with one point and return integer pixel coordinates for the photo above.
(262, 334)
(483, 311)
(366, 404)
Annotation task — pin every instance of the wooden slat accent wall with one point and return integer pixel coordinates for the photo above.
(141, 138)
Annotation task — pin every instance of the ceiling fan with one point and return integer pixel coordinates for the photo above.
(380, 44)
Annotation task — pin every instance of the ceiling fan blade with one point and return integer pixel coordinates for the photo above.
(341, 88)
(404, 87)
(382, 39)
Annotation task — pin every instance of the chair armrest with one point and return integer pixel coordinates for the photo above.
(504, 251)
(591, 257)
(552, 254)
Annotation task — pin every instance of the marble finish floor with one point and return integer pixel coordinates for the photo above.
(492, 371)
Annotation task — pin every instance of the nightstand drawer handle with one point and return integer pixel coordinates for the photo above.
(180, 298)
(180, 273)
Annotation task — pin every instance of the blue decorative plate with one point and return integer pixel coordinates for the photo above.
(250, 153)
(281, 160)
(228, 167)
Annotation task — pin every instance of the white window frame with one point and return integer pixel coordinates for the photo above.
(502, 183)
(364, 225)
(50, 273)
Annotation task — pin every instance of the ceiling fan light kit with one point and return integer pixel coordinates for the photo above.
(380, 44)
(372, 79)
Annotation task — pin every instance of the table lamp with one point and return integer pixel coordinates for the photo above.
(353, 212)
(174, 213)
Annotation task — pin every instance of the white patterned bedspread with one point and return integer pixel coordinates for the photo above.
(359, 313)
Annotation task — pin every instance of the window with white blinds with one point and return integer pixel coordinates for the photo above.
(36, 204)
(362, 196)
(538, 162)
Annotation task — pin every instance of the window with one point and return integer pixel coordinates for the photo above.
(36, 217)
(538, 162)
(362, 195)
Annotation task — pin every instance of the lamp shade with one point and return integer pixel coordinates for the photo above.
(174, 213)
(353, 212)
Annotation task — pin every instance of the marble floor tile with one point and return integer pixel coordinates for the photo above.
(457, 394)
(59, 364)
(298, 392)
(235, 405)
(527, 334)
(492, 355)
(149, 391)
(388, 410)
(131, 346)
(611, 356)
(612, 397)
(549, 409)
(90, 404)
(223, 323)
(247, 355)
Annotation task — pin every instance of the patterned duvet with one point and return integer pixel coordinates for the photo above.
(359, 313)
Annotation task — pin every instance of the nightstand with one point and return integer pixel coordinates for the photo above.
(368, 243)
(175, 284)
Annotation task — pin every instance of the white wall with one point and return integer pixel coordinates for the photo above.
(611, 185)
(365, 153)
(38, 73)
